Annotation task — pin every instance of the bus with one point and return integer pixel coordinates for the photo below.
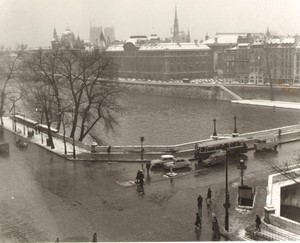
(232, 146)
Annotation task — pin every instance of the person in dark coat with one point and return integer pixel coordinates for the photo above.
(208, 204)
(258, 222)
(95, 237)
(198, 220)
(209, 193)
(140, 178)
(148, 166)
(215, 228)
(200, 200)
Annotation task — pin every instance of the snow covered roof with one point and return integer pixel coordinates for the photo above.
(173, 46)
(224, 38)
(288, 40)
(67, 31)
(117, 47)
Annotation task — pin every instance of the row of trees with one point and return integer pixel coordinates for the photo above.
(68, 88)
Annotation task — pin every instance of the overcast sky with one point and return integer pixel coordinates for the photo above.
(32, 21)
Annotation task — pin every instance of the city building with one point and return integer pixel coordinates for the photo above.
(66, 41)
(95, 32)
(263, 59)
(220, 44)
(109, 34)
(142, 59)
(282, 203)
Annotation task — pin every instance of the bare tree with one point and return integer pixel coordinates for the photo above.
(286, 168)
(94, 97)
(44, 63)
(39, 94)
(77, 82)
(8, 73)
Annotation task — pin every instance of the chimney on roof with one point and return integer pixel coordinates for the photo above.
(206, 37)
(216, 39)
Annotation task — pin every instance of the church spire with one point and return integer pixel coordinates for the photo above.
(176, 27)
(188, 37)
(55, 36)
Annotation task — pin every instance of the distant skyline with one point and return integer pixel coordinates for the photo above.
(32, 21)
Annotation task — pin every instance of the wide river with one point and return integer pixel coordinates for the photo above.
(174, 120)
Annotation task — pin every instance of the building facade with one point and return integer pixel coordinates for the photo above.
(141, 59)
(264, 60)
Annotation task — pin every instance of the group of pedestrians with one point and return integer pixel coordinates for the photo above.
(198, 223)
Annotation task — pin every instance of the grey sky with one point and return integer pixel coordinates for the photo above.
(32, 21)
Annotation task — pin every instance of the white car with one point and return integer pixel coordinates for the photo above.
(163, 159)
(178, 163)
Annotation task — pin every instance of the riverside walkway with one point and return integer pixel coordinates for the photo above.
(133, 153)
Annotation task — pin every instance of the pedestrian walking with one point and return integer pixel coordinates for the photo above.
(57, 240)
(208, 205)
(198, 220)
(95, 237)
(258, 223)
(209, 193)
(140, 182)
(215, 229)
(200, 200)
(108, 150)
(148, 165)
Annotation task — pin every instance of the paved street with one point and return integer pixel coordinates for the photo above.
(44, 197)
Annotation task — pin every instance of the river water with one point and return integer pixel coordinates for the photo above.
(174, 120)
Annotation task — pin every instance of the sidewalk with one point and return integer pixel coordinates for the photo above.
(269, 103)
(242, 221)
(40, 139)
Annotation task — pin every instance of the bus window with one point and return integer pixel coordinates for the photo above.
(219, 147)
(202, 149)
(211, 148)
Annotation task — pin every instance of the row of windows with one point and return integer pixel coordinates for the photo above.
(203, 66)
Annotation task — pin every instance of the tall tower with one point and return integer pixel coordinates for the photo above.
(176, 28)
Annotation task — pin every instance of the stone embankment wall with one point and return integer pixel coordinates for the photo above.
(213, 92)
(209, 92)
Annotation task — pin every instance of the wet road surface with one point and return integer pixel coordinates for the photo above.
(44, 196)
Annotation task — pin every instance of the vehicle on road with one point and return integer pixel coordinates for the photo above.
(178, 163)
(162, 160)
(232, 146)
(21, 143)
(186, 80)
(215, 158)
(4, 148)
(262, 144)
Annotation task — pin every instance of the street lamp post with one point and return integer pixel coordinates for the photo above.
(227, 203)
(40, 125)
(242, 167)
(235, 132)
(14, 107)
(73, 139)
(24, 125)
(215, 136)
(142, 149)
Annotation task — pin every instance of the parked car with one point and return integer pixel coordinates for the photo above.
(177, 163)
(162, 160)
(215, 158)
(21, 143)
(263, 144)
